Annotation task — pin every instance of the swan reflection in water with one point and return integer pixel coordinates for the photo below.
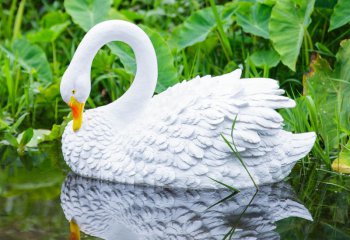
(132, 212)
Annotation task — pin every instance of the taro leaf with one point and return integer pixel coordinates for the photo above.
(265, 59)
(32, 58)
(197, 27)
(115, 14)
(254, 18)
(97, 11)
(341, 14)
(41, 36)
(342, 163)
(319, 85)
(87, 13)
(342, 77)
(267, 2)
(289, 20)
(125, 54)
(167, 73)
(331, 91)
(54, 18)
(46, 35)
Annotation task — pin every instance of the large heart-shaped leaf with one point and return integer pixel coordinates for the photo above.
(53, 18)
(196, 28)
(46, 35)
(342, 77)
(167, 73)
(289, 20)
(319, 85)
(341, 14)
(265, 58)
(31, 57)
(331, 91)
(254, 18)
(87, 13)
(125, 54)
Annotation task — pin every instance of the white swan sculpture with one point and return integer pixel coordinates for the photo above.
(174, 138)
(124, 211)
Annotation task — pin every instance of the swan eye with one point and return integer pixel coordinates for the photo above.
(73, 91)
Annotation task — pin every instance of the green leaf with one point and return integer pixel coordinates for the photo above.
(32, 58)
(37, 137)
(319, 85)
(167, 73)
(342, 78)
(115, 14)
(324, 50)
(265, 58)
(87, 13)
(26, 137)
(267, 2)
(341, 14)
(331, 92)
(11, 140)
(125, 54)
(55, 133)
(254, 18)
(289, 20)
(196, 28)
(342, 163)
(46, 35)
(41, 36)
(54, 18)
(18, 122)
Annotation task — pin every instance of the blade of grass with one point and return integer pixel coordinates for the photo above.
(227, 186)
(18, 20)
(222, 200)
(222, 36)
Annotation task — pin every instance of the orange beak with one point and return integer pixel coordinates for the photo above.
(74, 230)
(77, 111)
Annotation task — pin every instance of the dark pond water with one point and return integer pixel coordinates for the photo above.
(38, 195)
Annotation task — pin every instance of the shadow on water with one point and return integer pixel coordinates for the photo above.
(30, 208)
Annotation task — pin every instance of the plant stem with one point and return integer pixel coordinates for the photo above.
(18, 21)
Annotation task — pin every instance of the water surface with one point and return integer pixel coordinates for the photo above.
(38, 195)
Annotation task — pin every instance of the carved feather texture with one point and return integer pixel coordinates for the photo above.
(176, 141)
(121, 211)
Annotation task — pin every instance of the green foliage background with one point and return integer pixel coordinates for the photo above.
(301, 43)
(266, 38)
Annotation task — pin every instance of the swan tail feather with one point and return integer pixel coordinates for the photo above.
(298, 146)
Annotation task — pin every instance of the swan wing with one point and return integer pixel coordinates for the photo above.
(182, 126)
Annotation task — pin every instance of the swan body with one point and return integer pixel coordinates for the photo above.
(175, 138)
(121, 211)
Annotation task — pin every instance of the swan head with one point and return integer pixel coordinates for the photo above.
(75, 89)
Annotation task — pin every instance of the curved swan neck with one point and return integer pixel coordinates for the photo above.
(116, 30)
